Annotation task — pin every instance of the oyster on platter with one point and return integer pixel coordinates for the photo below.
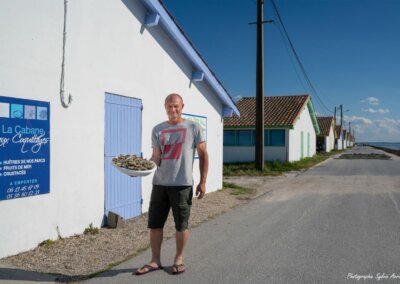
(133, 165)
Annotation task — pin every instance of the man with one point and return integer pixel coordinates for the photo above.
(174, 143)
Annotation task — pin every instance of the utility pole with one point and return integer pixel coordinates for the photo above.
(335, 116)
(341, 125)
(349, 133)
(341, 115)
(259, 151)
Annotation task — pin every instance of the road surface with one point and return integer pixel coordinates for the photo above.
(335, 223)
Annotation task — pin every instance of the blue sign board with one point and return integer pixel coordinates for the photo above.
(24, 148)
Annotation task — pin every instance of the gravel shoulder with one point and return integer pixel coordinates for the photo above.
(82, 256)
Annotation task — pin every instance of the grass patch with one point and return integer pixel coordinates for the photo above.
(47, 243)
(91, 230)
(275, 168)
(237, 189)
(232, 185)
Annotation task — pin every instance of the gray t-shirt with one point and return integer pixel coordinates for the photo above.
(177, 144)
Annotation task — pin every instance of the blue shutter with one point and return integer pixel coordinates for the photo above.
(277, 137)
(245, 138)
(123, 135)
(229, 137)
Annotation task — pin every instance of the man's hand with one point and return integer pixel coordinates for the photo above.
(156, 156)
(203, 158)
(200, 190)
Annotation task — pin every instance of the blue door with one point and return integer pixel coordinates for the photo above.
(123, 135)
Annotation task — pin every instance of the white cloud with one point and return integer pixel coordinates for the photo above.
(360, 125)
(380, 110)
(380, 130)
(389, 126)
(371, 100)
(359, 120)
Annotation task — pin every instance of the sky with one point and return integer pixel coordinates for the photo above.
(350, 50)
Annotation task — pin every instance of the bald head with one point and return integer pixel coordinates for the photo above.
(171, 97)
(174, 105)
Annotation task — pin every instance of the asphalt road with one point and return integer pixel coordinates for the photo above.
(335, 223)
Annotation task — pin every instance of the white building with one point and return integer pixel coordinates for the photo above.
(290, 130)
(121, 60)
(327, 135)
(340, 140)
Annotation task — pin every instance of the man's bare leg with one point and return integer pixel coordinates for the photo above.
(156, 238)
(181, 239)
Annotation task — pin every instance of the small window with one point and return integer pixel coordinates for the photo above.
(266, 137)
(245, 137)
(229, 137)
(277, 137)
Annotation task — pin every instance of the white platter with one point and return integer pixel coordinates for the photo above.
(134, 173)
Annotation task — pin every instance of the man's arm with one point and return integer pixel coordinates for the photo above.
(156, 156)
(203, 157)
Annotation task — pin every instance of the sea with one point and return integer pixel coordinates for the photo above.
(388, 145)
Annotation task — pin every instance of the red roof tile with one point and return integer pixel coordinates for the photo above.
(278, 111)
(325, 124)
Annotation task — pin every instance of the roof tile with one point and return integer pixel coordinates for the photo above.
(278, 111)
(325, 124)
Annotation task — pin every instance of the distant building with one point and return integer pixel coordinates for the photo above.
(290, 131)
(340, 140)
(327, 135)
(345, 138)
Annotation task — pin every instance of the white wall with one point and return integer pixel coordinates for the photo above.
(339, 144)
(329, 141)
(108, 50)
(344, 143)
(304, 123)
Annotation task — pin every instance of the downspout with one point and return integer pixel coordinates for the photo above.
(63, 103)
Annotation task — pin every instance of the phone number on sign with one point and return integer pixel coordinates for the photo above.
(23, 191)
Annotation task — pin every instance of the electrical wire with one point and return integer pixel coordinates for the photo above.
(290, 56)
(301, 66)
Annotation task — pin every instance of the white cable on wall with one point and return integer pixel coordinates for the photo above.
(64, 104)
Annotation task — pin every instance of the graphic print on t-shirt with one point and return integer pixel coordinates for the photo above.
(172, 141)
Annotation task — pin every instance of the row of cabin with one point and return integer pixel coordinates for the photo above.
(333, 136)
(292, 131)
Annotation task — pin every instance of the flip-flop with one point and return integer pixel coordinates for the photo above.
(149, 269)
(179, 268)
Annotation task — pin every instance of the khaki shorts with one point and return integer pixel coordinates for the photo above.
(179, 198)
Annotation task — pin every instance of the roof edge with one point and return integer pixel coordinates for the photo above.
(170, 26)
(313, 116)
